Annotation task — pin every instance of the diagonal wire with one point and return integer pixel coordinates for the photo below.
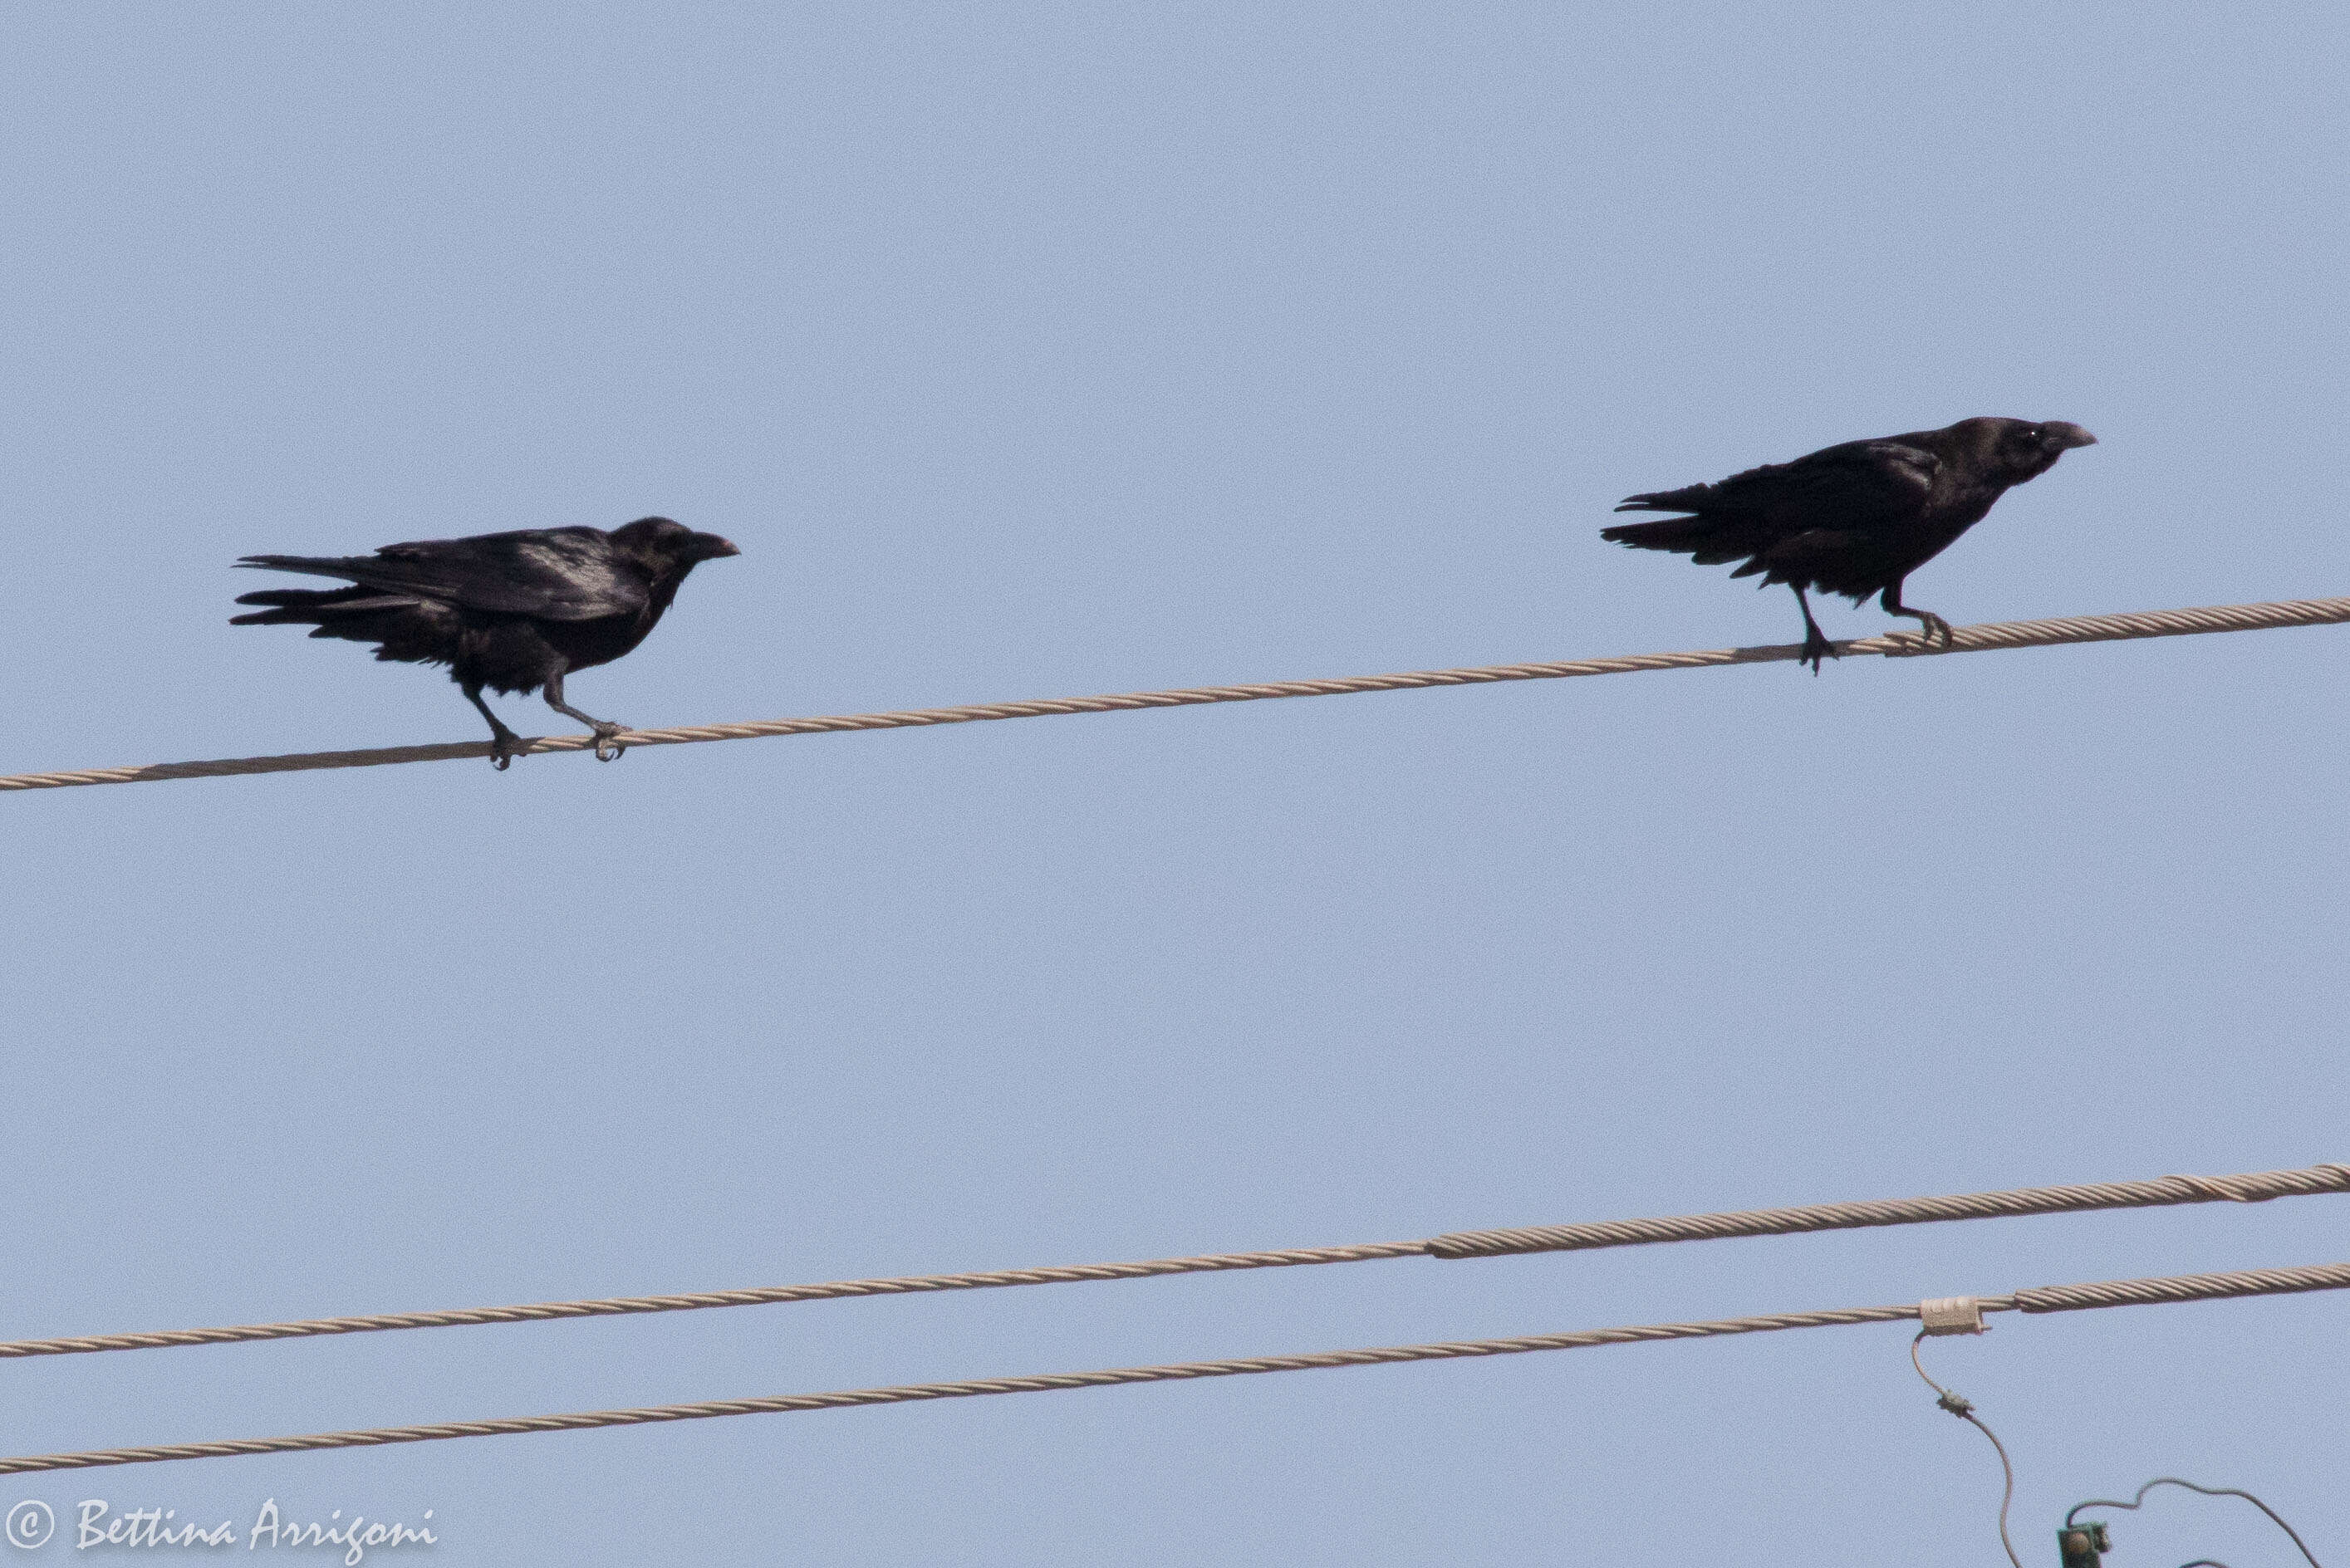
(1964, 639)
(2055, 1298)
(2161, 1192)
(2254, 1187)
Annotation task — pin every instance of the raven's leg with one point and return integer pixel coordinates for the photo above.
(605, 728)
(1931, 627)
(1817, 645)
(504, 745)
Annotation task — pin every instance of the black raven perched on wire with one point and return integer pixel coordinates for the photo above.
(1855, 519)
(513, 612)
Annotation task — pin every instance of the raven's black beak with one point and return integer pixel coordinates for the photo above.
(2062, 437)
(713, 546)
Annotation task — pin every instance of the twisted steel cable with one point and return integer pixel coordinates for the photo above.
(2108, 1294)
(832, 1290)
(2184, 1288)
(2254, 1187)
(1964, 639)
(2258, 1187)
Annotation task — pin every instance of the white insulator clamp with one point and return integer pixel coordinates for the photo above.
(1951, 1314)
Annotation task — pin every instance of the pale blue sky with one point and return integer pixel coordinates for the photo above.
(1040, 350)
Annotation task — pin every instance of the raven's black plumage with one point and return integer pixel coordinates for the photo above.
(1855, 519)
(513, 612)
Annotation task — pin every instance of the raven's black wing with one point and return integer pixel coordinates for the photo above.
(554, 573)
(1861, 488)
(1843, 485)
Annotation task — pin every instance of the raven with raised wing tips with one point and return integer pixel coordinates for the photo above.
(1855, 519)
(512, 612)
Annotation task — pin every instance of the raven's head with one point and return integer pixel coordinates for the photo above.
(2024, 449)
(670, 548)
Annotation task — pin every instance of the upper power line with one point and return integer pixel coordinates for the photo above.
(1962, 639)
(2163, 1191)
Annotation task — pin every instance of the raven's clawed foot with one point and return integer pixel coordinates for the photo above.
(1817, 647)
(1934, 634)
(504, 747)
(607, 736)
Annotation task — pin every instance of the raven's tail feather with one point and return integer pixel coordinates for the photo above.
(410, 630)
(1688, 498)
(1710, 541)
(306, 606)
(1665, 534)
(317, 566)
